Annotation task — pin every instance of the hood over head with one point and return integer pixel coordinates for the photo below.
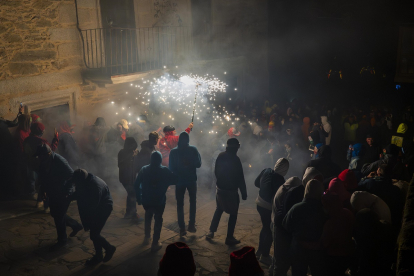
(177, 260)
(100, 122)
(156, 159)
(325, 152)
(357, 150)
(292, 182)
(282, 166)
(349, 179)
(130, 143)
(402, 128)
(183, 140)
(314, 190)
(337, 186)
(311, 173)
(392, 150)
(324, 119)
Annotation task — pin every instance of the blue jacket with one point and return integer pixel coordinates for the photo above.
(153, 181)
(184, 160)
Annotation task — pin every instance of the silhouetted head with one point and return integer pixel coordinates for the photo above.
(153, 137)
(78, 178)
(325, 152)
(156, 159)
(100, 122)
(130, 143)
(183, 140)
(314, 189)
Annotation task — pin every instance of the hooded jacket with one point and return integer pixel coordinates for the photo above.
(69, 149)
(184, 160)
(354, 155)
(153, 181)
(279, 209)
(167, 143)
(327, 128)
(324, 164)
(398, 138)
(94, 200)
(127, 162)
(336, 186)
(361, 200)
(269, 182)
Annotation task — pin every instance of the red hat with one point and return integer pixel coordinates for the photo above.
(177, 261)
(37, 128)
(349, 179)
(34, 118)
(243, 262)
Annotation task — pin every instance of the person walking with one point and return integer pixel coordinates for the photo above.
(127, 173)
(269, 181)
(67, 145)
(54, 173)
(150, 187)
(230, 179)
(94, 205)
(147, 148)
(183, 161)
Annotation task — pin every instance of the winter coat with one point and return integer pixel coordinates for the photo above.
(269, 182)
(370, 153)
(391, 159)
(354, 156)
(127, 162)
(97, 140)
(144, 155)
(384, 189)
(93, 199)
(361, 200)
(324, 164)
(229, 173)
(402, 133)
(69, 149)
(279, 208)
(153, 181)
(338, 229)
(350, 132)
(327, 128)
(184, 160)
(54, 180)
(167, 143)
(30, 145)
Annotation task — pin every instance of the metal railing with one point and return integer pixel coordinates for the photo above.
(118, 51)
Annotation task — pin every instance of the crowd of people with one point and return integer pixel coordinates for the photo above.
(332, 183)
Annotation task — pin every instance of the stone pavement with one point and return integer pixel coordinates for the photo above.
(24, 240)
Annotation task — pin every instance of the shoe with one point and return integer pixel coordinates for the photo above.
(210, 235)
(156, 247)
(109, 253)
(267, 260)
(146, 241)
(192, 229)
(58, 245)
(258, 254)
(183, 232)
(76, 230)
(94, 260)
(232, 241)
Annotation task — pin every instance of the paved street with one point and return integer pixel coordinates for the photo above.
(24, 240)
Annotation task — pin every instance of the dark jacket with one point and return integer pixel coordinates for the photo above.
(94, 200)
(184, 160)
(269, 182)
(229, 173)
(325, 165)
(306, 220)
(5, 135)
(371, 153)
(391, 159)
(54, 179)
(127, 162)
(68, 149)
(153, 181)
(391, 194)
(144, 155)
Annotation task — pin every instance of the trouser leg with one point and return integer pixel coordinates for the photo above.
(231, 225)
(159, 211)
(96, 227)
(131, 201)
(31, 180)
(266, 239)
(179, 195)
(149, 212)
(282, 242)
(58, 208)
(192, 192)
(216, 219)
(300, 261)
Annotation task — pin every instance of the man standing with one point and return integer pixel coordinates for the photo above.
(230, 178)
(151, 186)
(54, 173)
(94, 205)
(170, 141)
(183, 161)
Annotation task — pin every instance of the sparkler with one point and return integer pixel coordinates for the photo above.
(195, 100)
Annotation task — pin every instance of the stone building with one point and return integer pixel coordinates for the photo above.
(72, 56)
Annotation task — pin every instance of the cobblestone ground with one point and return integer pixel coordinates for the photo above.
(24, 240)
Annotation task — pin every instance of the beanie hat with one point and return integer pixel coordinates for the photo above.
(178, 260)
(168, 129)
(282, 166)
(243, 262)
(233, 143)
(349, 179)
(37, 128)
